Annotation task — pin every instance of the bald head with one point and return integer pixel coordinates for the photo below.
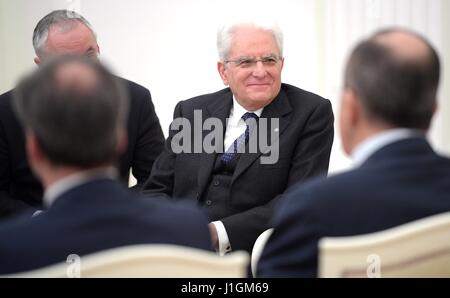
(76, 77)
(403, 45)
(395, 75)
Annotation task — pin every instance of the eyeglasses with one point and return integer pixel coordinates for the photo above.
(249, 62)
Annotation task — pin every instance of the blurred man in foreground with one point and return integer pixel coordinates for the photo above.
(388, 102)
(74, 114)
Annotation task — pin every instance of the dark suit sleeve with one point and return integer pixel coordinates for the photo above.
(311, 158)
(161, 180)
(8, 205)
(292, 249)
(150, 141)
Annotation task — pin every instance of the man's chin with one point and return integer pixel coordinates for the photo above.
(261, 101)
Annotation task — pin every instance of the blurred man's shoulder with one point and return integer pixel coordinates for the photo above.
(298, 94)
(6, 97)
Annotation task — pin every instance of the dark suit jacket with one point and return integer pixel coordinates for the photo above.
(402, 182)
(94, 216)
(19, 188)
(305, 139)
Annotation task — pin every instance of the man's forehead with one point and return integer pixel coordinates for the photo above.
(250, 34)
(248, 39)
(69, 30)
(76, 40)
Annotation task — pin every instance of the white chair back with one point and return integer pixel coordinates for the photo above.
(416, 249)
(258, 248)
(150, 260)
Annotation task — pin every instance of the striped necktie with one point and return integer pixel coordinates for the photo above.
(240, 142)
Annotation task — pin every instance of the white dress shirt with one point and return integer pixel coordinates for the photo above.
(235, 128)
(374, 143)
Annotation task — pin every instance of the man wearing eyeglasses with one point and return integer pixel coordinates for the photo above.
(239, 190)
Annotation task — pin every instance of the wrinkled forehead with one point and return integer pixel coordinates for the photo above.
(250, 41)
(78, 40)
(69, 31)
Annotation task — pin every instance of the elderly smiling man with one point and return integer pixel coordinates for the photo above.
(238, 190)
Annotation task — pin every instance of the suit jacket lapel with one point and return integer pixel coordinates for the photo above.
(279, 108)
(219, 108)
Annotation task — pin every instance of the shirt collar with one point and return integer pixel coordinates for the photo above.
(65, 184)
(374, 143)
(237, 111)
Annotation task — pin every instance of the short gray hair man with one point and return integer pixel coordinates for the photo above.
(64, 19)
(226, 32)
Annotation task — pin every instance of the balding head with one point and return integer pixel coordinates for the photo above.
(403, 44)
(395, 75)
(77, 77)
(76, 109)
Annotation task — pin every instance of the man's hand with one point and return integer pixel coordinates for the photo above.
(214, 236)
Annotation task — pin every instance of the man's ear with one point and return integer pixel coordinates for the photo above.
(350, 117)
(34, 150)
(122, 141)
(222, 71)
(37, 60)
(354, 107)
(435, 106)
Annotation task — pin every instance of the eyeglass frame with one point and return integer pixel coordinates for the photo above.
(252, 61)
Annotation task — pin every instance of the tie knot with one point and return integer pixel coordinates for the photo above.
(249, 115)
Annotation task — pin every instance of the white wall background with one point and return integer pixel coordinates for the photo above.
(169, 45)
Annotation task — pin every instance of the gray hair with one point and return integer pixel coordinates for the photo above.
(76, 122)
(65, 19)
(226, 32)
